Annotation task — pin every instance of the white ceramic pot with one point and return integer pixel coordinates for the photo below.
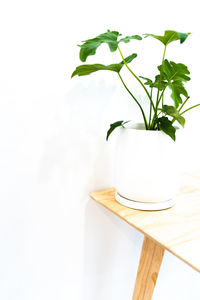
(146, 171)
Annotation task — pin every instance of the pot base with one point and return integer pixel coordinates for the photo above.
(144, 205)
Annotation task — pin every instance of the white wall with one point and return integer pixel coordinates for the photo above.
(55, 243)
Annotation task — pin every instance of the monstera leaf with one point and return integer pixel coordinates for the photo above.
(173, 112)
(172, 75)
(169, 36)
(175, 74)
(174, 71)
(88, 69)
(90, 46)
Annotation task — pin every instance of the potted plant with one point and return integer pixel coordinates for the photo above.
(145, 165)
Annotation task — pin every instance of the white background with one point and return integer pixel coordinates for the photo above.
(55, 243)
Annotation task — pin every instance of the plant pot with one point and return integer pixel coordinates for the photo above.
(146, 172)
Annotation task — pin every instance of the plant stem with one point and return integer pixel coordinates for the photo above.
(162, 99)
(150, 108)
(161, 73)
(164, 56)
(158, 98)
(137, 78)
(143, 114)
(162, 94)
(183, 104)
(189, 108)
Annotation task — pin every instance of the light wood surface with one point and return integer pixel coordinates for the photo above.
(176, 229)
(149, 266)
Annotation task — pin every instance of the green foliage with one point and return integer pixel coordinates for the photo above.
(177, 90)
(167, 127)
(88, 69)
(113, 126)
(157, 83)
(90, 46)
(127, 39)
(174, 71)
(175, 74)
(171, 75)
(170, 36)
(173, 112)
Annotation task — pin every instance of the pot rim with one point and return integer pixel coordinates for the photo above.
(141, 127)
(138, 126)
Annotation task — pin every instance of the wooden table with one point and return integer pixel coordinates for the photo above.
(176, 229)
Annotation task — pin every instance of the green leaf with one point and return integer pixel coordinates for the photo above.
(156, 83)
(181, 120)
(113, 126)
(88, 69)
(169, 110)
(90, 46)
(174, 71)
(173, 112)
(129, 58)
(183, 36)
(177, 89)
(148, 81)
(127, 39)
(170, 36)
(166, 126)
(175, 74)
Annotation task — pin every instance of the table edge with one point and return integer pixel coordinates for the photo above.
(140, 230)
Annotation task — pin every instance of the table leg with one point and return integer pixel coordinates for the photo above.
(149, 266)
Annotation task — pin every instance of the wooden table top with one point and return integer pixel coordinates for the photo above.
(176, 229)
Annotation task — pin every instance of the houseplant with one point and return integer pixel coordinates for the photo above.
(140, 180)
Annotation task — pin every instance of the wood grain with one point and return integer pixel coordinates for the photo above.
(176, 229)
(149, 266)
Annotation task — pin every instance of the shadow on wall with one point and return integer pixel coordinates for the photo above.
(111, 256)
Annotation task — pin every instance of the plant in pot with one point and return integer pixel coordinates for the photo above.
(146, 173)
